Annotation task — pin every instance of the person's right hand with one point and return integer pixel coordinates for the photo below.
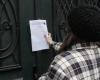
(49, 39)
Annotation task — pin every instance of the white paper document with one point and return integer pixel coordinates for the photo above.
(38, 30)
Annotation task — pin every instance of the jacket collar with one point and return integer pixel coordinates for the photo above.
(84, 45)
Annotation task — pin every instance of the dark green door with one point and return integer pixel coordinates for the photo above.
(16, 57)
(15, 45)
(10, 55)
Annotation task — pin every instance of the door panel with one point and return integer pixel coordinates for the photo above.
(10, 55)
(14, 44)
(9, 35)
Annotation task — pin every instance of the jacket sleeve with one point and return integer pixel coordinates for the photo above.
(55, 72)
(56, 45)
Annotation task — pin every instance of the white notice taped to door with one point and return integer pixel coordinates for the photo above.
(38, 30)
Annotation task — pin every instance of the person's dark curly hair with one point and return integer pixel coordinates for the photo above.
(85, 23)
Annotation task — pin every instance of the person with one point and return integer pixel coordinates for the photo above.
(79, 57)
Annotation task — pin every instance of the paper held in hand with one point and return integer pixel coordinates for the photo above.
(38, 30)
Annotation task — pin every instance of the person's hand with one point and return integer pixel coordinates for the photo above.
(49, 39)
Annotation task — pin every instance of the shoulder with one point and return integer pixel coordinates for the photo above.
(68, 58)
(67, 54)
(63, 58)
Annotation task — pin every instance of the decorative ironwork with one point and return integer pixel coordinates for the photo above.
(63, 7)
(8, 35)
